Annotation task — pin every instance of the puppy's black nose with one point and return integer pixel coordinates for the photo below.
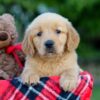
(49, 43)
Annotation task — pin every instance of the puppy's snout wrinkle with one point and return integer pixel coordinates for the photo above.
(49, 44)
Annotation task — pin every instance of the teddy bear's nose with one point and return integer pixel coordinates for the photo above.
(3, 36)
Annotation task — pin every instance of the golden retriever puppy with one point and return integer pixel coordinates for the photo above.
(49, 44)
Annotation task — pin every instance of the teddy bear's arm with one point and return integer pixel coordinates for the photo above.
(3, 75)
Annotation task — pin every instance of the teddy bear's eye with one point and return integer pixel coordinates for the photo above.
(39, 33)
(58, 31)
(13, 36)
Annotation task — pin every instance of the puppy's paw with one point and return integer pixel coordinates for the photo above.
(68, 84)
(30, 78)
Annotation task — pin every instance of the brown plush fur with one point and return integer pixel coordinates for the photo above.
(62, 60)
(8, 66)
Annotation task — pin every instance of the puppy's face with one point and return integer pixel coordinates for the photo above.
(49, 35)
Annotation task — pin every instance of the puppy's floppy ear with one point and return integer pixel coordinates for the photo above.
(27, 44)
(72, 37)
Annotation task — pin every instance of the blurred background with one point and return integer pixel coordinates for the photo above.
(85, 17)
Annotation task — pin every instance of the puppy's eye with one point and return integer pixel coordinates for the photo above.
(39, 33)
(58, 31)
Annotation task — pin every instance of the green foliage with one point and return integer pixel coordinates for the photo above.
(84, 14)
(96, 91)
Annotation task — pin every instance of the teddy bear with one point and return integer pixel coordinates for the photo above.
(11, 54)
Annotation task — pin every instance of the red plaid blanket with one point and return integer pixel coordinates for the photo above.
(47, 89)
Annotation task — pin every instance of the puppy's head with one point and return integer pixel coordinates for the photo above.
(50, 34)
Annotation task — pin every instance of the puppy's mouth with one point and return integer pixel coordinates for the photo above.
(50, 52)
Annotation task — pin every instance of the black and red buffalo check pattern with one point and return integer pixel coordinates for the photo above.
(47, 89)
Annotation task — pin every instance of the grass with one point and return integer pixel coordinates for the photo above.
(96, 93)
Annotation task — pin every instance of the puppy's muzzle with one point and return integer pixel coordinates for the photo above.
(49, 44)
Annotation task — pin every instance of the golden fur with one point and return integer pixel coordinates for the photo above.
(62, 61)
